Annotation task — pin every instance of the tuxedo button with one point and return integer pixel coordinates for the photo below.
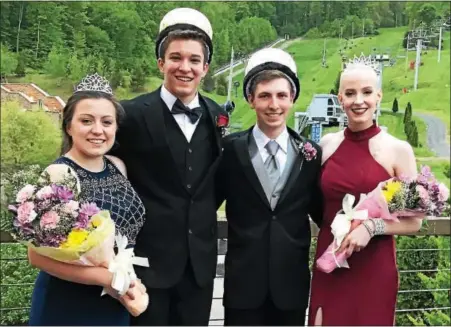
(192, 201)
(190, 168)
(190, 151)
(274, 217)
(190, 231)
(188, 185)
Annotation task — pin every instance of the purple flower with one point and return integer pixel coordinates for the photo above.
(62, 193)
(89, 209)
(82, 221)
(426, 172)
(53, 240)
(307, 150)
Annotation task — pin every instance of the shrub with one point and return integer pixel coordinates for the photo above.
(27, 137)
(395, 108)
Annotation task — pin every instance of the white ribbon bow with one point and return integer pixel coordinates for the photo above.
(122, 266)
(342, 222)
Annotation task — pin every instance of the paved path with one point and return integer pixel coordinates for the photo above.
(437, 137)
(436, 130)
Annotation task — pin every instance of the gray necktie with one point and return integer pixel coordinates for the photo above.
(271, 162)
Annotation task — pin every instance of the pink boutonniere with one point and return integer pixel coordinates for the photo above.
(307, 150)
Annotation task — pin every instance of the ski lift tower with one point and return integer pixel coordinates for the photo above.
(229, 106)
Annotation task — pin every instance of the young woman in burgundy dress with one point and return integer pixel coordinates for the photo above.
(355, 161)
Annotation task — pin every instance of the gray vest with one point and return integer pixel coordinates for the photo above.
(272, 191)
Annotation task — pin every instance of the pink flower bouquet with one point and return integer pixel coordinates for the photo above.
(390, 200)
(50, 219)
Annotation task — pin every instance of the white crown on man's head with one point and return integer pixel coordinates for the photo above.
(94, 82)
(369, 61)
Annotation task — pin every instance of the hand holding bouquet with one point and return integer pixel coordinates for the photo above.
(50, 219)
(390, 200)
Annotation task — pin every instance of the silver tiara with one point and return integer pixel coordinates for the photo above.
(94, 82)
(369, 61)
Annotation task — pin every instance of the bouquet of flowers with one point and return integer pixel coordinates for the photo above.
(390, 200)
(50, 219)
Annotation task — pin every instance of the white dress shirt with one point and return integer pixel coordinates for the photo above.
(182, 120)
(282, 140)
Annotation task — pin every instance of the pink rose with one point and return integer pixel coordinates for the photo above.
(443, 192)
(49, 220)
(44, 193)
(25, 193)
(26, 213)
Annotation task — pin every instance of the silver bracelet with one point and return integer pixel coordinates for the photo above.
(370, 230)
(379, 226)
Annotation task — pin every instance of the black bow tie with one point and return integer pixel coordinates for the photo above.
(193, 114)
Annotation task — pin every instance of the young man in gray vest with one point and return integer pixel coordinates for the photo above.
(269, 177)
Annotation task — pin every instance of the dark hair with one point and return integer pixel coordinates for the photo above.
(184, 35)
(268, 75)
(69, 109)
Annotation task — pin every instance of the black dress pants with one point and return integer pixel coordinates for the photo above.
(184, 304)
(265, 315)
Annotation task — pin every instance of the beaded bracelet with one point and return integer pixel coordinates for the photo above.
(379, 226)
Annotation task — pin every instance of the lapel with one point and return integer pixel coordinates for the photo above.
(212, 114)
(296, 168)
(152, 111)
(241, 145)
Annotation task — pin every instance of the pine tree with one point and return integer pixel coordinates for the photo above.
(208, 84)
(395, 106)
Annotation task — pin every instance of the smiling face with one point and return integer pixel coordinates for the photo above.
(272, 101)
(183, 67)
(359, 96)
(92, 128)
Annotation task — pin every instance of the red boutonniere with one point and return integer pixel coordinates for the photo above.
(222, 122)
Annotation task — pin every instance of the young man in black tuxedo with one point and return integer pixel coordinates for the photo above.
(269, 177)
(170, 143)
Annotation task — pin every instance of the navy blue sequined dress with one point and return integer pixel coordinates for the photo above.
(59, 302)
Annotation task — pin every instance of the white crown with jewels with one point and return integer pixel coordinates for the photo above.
(369, 61)
(94, 82)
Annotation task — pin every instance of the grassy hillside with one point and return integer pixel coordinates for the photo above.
(432, 95)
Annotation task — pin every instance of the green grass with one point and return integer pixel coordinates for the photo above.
(395, 126)
(432, 96)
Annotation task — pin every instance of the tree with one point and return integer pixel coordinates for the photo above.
(395, 106)
(408, 113)
(221, 85)
(8, 61)
(427, 13)
(208, 84)
(56, 64)
(20, 146)
(337, 83)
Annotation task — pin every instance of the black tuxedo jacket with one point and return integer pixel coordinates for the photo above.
(179, 225)
(268, 250)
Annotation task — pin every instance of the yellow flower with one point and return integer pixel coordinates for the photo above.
(75, 238)
(96, 221)
(390, 189)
